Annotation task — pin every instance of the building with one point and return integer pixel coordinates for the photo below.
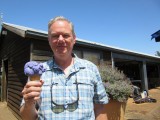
(156, 35)
(19, 44)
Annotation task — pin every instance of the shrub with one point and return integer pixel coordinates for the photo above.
(117, 85)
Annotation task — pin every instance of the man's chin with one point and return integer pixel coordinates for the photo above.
(61, 53)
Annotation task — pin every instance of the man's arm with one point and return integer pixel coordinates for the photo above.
(31, 93)
(28, 111)
(100, 113)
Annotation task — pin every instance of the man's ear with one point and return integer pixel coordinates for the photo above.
(74, 38)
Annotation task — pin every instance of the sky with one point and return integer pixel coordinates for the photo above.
(126, 24)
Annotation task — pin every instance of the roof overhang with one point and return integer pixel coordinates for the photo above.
(156, 35)
(43, 35)
(25, 31)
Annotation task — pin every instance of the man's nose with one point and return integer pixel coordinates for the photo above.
(60, 37)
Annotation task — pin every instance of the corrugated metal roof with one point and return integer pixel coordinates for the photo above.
(28, 32)
(24, 31)
(117, 49)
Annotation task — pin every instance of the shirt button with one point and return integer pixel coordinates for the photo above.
(65, 106)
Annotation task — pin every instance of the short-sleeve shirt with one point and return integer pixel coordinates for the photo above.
(83, 84)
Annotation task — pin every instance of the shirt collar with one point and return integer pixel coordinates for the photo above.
(77, 63)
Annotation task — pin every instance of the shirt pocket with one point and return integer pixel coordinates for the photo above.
(86, 90)
(46, 94)
(86, 93)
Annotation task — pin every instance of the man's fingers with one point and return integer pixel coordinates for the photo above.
(36, 98)
(32, 90)
(34, 83)
(31, 95)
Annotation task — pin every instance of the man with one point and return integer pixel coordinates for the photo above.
(72, 87)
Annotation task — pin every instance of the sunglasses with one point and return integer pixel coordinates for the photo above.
(58, 108)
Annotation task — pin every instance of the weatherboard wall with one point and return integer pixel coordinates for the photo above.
(14, 53)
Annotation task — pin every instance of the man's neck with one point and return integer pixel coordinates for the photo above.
(64, 62)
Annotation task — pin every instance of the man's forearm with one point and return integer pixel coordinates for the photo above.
(101, 117)
(28, 111)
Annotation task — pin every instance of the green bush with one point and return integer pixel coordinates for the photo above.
(117, 85)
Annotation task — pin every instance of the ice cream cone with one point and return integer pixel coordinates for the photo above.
(34, 70)
(34, 78)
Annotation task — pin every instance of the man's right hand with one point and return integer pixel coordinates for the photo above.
(32, 90)
(31, 93)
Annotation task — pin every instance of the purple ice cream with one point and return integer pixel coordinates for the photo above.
(34, 70)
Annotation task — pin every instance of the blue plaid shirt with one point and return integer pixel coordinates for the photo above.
(64, 91)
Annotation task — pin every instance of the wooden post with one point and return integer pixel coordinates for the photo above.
(3, 82)
(144, 76)
(112, 59)
(0, 83)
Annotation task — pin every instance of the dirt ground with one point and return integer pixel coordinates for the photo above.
(143, 111)
(5, 113)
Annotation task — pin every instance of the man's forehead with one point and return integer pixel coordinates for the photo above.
(61, 22)
(53, 33)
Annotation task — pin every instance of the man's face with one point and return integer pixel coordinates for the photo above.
(61, 38)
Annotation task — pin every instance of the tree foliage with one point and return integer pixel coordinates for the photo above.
(157, 53)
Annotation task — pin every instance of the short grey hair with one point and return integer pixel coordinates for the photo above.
(61, 18)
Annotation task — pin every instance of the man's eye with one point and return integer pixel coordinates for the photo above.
(54, 36)
(66, 36)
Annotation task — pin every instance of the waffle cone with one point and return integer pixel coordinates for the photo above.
(34, 77)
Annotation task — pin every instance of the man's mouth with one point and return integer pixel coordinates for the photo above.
(61, 46)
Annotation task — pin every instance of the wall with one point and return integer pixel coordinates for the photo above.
(15, 51)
